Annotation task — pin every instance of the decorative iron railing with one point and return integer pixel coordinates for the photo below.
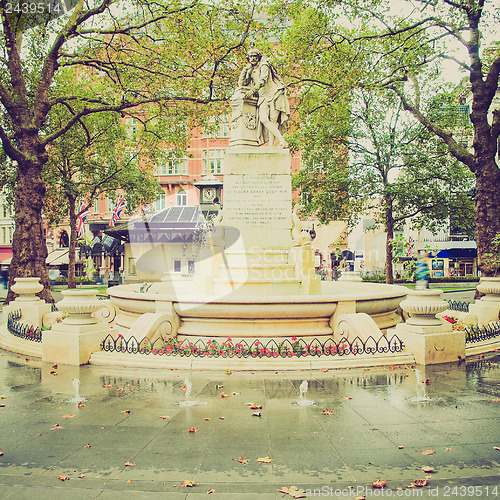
(252, 349)
(477, 333)
(456, 305)
(23, 330)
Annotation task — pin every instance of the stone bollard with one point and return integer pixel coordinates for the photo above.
(488, 308)
(73, 340)
(32, 307)
(429, 338)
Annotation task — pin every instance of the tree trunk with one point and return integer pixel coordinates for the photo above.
(29, 246)
(487, 211)
(72, 241)
(389, 225)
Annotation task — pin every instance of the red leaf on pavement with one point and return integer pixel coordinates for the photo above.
(80, 405)
(129, 464)
(62, 477)
(428, 452)
(379, 483)
(192, 429)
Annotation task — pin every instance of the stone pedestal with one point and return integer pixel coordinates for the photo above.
(351, 276)
(430, 339)
(244, 120)
(79, 335)
(33, 309)
(488, 308)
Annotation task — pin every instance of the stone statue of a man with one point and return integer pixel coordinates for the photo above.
(273, 107)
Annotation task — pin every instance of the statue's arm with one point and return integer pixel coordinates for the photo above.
(245, 76)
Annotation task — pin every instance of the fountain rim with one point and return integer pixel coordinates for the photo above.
(120, 292)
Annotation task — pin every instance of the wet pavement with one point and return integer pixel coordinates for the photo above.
(378, 424)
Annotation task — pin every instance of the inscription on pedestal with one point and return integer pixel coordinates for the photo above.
(262, 201)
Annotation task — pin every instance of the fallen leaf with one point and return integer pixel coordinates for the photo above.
(129, 464)
(80, 405)
(419, 483)
(257, 414)
(496, 448)
(347, 397)
(235, 394)
(54, 366)
(360, 498)
(221, 418)
(326, 411)
(87, 445)
(428, 452)
(192, 429)
(126, 412)
(400, 447)
(189, 484)
(265, 460)
(324, 370)
(81, 476)
(427, 381)
(120, 389)
(211, 490)
(68, 416)
(62, 477)
(2, 453)
(255, 407)
(285, 490)
(2, 406)
(224, 395)
(206, 419)
(496, 400)
(53, 372)
(428, 469)
(242, 460)
(379, 483)
(164, 416)
(183, 388)
(447, 449)
(217, 386)
(56, 426)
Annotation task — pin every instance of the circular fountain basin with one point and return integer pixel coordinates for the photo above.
(271, 316)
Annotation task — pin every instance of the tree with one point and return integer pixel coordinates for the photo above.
(398, 173)
(404, 54)
(173, 57)
(95, 157)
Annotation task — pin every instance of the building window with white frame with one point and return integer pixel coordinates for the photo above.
(181, 197)
(213, 161)
(171, 165)
(161, 202)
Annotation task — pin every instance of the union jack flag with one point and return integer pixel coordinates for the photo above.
(411, 244)
(117, 211)
(83, 213)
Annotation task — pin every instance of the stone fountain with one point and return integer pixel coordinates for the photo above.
(255, 276)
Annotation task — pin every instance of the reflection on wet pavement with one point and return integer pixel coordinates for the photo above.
(364, 425)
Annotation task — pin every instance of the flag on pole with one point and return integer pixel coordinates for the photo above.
(83, 213)
(411, 244)
(117, 211)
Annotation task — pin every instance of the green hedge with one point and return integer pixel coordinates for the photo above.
(451, 279)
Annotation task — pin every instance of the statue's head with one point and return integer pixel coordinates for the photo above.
(252, 53)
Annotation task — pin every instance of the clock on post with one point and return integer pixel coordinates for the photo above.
(210, 193)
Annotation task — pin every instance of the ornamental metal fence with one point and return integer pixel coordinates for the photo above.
(286, 348)
(456, 305)
(23, 330)
(475, 334)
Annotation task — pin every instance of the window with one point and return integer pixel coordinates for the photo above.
(96, 206)
(213, 161)
(217, 127)
(181, 197)
(190, 266)
(131, 124)
(177, 266)
(161, 202)
(172, 166)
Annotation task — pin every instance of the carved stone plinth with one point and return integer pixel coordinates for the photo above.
(422, 307)
(488, 308)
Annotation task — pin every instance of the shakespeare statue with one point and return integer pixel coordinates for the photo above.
(260, 104)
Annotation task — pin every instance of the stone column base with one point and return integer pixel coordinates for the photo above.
(431, 345)
(72, 344)
(33, 311)
(485, 311)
